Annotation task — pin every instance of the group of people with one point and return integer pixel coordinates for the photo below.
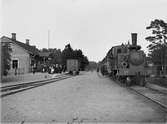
(54, 68)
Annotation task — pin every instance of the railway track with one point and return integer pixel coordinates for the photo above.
(151, 94)
(163, 92)
(16, 88)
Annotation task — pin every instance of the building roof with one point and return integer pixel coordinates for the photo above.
(29, 48)
(44, 54)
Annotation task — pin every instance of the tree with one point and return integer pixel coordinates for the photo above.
(69, 53)
(6, 57)
(158, 45)
(44, 50)
(84, 62)
(92, 65)
(56, 56)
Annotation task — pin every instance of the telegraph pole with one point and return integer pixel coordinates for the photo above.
(0, 61)
(48, 39)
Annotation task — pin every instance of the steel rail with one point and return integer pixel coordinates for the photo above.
(156, 90)
(22, 85)
(32, 85)
(30, 82)
(151, 99)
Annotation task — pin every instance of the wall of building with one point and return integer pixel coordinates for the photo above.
(23, 57)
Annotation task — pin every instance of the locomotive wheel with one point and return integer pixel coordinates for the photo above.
(122, 80)
(70, 72)
(128, 84)
(142, 81)
(77, 72)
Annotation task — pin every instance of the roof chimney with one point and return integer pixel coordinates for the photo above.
(13, 36)
(27, 41)
(134, 39)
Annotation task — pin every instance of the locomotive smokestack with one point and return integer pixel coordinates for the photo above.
(134, 39)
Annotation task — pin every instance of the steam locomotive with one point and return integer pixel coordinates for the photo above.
(126, 63)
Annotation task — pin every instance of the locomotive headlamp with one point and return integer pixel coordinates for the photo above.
(128, 80)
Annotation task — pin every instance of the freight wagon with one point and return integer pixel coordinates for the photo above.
(73, 66)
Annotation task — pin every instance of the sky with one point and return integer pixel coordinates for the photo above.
(93, 26)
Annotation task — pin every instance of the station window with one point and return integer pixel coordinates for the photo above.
(14, 63)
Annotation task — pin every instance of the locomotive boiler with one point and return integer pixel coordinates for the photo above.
(126, 63)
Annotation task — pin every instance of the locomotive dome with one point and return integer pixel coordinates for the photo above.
(136, 58)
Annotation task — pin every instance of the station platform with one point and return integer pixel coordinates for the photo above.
(25, 78)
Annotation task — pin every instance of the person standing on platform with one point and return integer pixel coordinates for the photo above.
(34, 68)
